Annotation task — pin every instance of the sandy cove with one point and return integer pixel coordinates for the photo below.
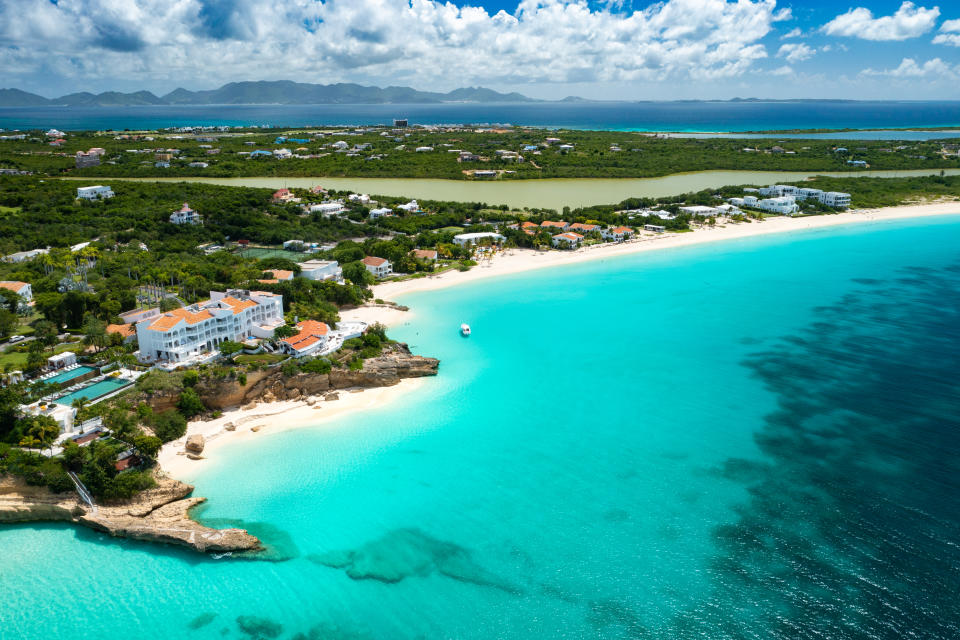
(519, 260)
(265, 418)
(272, 417)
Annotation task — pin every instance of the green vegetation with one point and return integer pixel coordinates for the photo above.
(258, 358)
(593, 154)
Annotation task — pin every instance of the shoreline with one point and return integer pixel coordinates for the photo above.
(514, 261)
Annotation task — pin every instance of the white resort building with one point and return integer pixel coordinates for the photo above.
(187, 333)
(97, 192)
(466, 239)
(379, 267)
(321, 270)
(783, 198)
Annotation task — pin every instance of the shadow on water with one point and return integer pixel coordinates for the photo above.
(851, 527)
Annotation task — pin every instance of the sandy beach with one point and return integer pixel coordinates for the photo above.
(520, 260)
(271, 418)
(264, 419)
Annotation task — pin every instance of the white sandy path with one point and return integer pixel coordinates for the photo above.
(273, 417)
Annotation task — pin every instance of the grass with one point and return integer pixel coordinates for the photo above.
(259, 358)
(4, 209)
(13, 358)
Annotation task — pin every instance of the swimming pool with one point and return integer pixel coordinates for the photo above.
(64, 376)
(94, 391)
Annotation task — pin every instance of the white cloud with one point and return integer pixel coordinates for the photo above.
(909, 68)
(796, 52)
(785, 70)
(909, 21)
(793, 33)
(949, 33)
(425, 43)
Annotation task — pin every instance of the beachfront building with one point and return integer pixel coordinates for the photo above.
(786, 205)
(379, 267)
(835, 199)
(617, 234)
(62, 414)
(581, 227)
(550, 225)
(700, 211)
(186, 215)
(186, 334)
(23, 289)
(321, 270)
(96, 192)
(466, 239)
(311, 337)
(568, 240)
(430, 255)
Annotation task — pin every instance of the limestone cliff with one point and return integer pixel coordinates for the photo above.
(156, 515)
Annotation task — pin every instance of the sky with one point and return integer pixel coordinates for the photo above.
(549, 49)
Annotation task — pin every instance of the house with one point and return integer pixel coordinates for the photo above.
(380, 212)
(85, 159)
(423, 149)
(182, 334)
(835, 199)
(362, 198)
(317, 190)
(581, 227)
(55, 133)
(127, 331)
(551, 225)
(430, 255)
(379, 267)
(698, 211)
(786, 205)
(198, 165)
(321, 270)
(282, 154)
(484, 173)
(617, 234)
(136, 315)
(568, 240)
(339, 144)
(857, 163)
(656, 228)
(283, 195)
(328, 209)
(466, 239)
(23, 289)
(411, 206)
(277, 275)
(186, 215)
(97, 192)
(294, 245)
(312, 336)
(23, 256)
(62, 360)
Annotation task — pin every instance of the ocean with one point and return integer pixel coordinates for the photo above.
(616, 116)
(755, 438)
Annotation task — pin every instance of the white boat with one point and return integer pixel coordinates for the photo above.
(465, 329)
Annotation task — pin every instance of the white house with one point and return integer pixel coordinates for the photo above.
(835, 199)
(23, 256)
(466, 239)
(699, 211)
(328, 209)
(321, 270)
(22, 288)
(423, 149)
(361, 198)
(616, 234)
(97, 192)
(188, 332)
(568, 240)
(379, 267)
(339, 144)
(411, 206)
(786, 205)
(62, 414)
(136, 315)
(312, 337)
(186, 215)
(381, 212)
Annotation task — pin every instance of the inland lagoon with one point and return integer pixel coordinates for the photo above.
(750, 438)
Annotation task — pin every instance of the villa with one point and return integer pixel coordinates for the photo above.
(617, 234)
(283, 195)
(126, 331)
(379, 267)
(328, 209)
(549, 224)
(321, 270)
(429, 255)
(567, 240)
(699, 211)
(97, 192)
(276, 275)
(23, 289)
(776, 204)
(136, 315)
(183, 334)
(23, 256)
(581, 227)
(465, 239)
(381, 212)
(411, 207)
(186, 215)
(311, 337)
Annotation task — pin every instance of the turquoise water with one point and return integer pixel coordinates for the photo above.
(69, 375)
(94, 391)
(750, 439)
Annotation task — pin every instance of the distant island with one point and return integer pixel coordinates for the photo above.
(263, 92)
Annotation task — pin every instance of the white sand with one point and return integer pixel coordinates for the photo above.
(519, 260)
(271, 418)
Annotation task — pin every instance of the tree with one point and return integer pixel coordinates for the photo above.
(8, 322)
(229, 347)
(190, 378)
(284, 331)
(51, 307)
(169, 425)
(94, 332)
(190, 403)
(45, 332)
(147, 446)
(357, 273)
(45, 429)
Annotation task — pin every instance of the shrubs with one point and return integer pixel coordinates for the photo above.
(317, 365)
(190, 378)
(190, 403)
(169, 425)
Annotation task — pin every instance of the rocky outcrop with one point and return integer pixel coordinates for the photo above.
(195, 444)
(395, 364)
(160, 514)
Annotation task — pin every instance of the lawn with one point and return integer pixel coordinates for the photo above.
(259, 358)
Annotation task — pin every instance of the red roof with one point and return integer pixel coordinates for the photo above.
(374, 261)
(548, 223)
(310, 333)
(622, 230)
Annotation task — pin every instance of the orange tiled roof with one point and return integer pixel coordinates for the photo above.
(12, 285)
(374, 261)
(623, 230)
(310, 332)
(172, 318)
(280, 274)
(268, 281)
(580, 226)
(425, 253)
(126, 330)
(549, 223)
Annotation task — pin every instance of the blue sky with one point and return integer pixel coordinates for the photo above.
(616, 49)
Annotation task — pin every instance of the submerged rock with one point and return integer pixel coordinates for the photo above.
(257, 627)
(201, 620)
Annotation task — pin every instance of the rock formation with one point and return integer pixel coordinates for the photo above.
(156, 515)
